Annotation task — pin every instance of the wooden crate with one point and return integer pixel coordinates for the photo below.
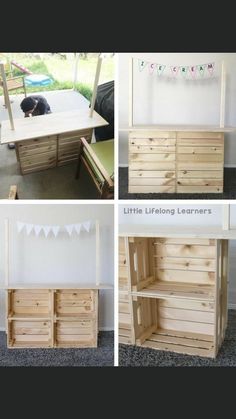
(64, 318)
(171, 161)
(47, 152)
(69, 145)
(178, 290)
(152, 158)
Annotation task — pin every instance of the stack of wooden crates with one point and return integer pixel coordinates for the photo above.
(173, 293)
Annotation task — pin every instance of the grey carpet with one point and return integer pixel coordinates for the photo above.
(102, 356)
(135, 356)
(229, 189)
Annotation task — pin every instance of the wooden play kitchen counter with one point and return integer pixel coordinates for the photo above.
(173, 288)
(51, 140)
(53, 316)
(182, 159)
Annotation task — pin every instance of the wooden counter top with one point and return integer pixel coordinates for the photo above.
(51, 124)
(184, 128)
(176, 232)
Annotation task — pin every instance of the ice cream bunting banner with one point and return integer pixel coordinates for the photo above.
(196, 71)
(54, 230)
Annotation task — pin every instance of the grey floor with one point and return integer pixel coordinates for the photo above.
(134, 356)
(229, 189)
(56, 183)
(102, 356)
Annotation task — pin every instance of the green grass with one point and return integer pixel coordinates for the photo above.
(62, 72)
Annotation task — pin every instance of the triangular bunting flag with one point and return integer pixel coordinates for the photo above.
(210, 68)
(192, 70)
(20, 226)
(142, 64)
(69, 228)
(55, 230)
(184, 70)
(174, 70)
(160, 69)
(87, 225)
(29, 228)
(201, 69)
(46, 230)
(37, 229)
(151, 67)
(77, 228)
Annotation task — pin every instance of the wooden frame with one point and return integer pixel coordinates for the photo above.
(13, 194)
(161, 162)
(173, 287)
(52, 315)
(106, 188)
(54, 140)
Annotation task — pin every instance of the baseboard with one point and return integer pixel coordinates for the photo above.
(2, 329)
(232, 306)
(123, 165)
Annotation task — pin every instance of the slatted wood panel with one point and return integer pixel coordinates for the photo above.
(37, 154)
(181, 162)
(51, 151)
(175, 326)
(69, 144)
(176, 303)
(74, 302)
(200, 162)
(29, 303)
(52, 318)
(76, 333)
(30, 334)
(152, 162)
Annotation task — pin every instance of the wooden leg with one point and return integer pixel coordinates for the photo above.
(79, 162)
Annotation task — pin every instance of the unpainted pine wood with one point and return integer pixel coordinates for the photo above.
(200, 174)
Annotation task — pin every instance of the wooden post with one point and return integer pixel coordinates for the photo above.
(131, 92)
(95, 86)
(222, 95)
(217, 300)
(226, 217)
(76, 69)
(6, 95)
(97, 253)
(6, 252)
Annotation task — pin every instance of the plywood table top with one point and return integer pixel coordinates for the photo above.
(179, 128)
(57, 286)
(176, 232)
(51, 124)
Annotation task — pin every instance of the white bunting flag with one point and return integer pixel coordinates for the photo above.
(20, 226)
(78, 228)
(152, 67)
(37, 229)
(55, 230)
(46, 230)
(87, 225)
(29, 228)
(69, 228)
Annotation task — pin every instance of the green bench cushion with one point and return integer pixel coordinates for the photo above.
(104, 151)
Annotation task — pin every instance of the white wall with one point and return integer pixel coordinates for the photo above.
(169, 216)
(163, 100)
(62, 259)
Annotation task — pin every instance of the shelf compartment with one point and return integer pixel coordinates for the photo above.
(28, 303)
(29, 334)
(74, 302)
(79, 333)
(180, 342)
(161, 289)
(178, 325)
